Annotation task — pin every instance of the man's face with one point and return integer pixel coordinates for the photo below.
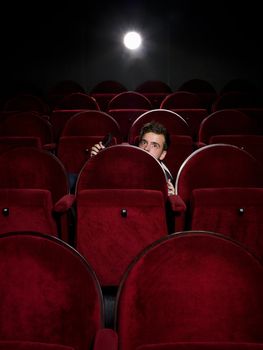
(154, 144)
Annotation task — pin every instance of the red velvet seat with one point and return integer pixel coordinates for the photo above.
(8, 142)
(26, 103)
(253, 144)
(80, 133)
(34, 192)
(154, 90)
(181, 142)
(188, 105)
(191, 287)
(126, 107)
(105, 90)
(203, 88)
(28, 124)
(50, 298)
(225, 122)
(77, 100)
(202, 346)
(237, 99)
(121, 199)
(222, 187)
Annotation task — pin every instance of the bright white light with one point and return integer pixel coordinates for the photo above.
(132, 40)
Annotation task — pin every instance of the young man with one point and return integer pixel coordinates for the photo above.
(154, 139)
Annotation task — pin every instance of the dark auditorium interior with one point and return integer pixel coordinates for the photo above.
(96, 251)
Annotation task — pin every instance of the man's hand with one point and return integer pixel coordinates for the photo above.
(96, 149)
(171, 189)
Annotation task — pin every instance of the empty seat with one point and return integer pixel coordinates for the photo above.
(126, 107)
(221, 186)
(34, 192)
(105, 90)
(191, 288)
(237, 99)
(28, 124)
(121, 196)
(225, 122)
(77, 100)
(154, 90)
(203, 88)
(50, 299)
(26, 103)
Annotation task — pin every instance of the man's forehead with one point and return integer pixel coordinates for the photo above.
(153, 137)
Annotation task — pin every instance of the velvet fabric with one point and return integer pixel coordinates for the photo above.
(253, 144)
(122, 167)
(77, 100)
(49, 293)
(117, 192)
(215, 166)
(26, 209)
(128, 100)
(235, 212)
(181, 99)
(26, 345)
(74, 151)
(191, 287)
(225, 122)
(218, 165)
(91, 123)
(173, 122)
(27, 167)
(114, 225)
(202, 346)
(27, 124)
(9, 142)
(154, 90)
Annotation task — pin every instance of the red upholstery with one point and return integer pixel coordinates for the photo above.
(202, 346)
(253, 144)
(235, 212)
(191, 287)
(181, 99)
(77, 100)
(237, 99)
(225, 122)
(128, 100)
(215, 166)
(25, 103)
(105, 90)
(26, 345)
(91, 123)
(50, 294)
(9, 142)
(27, 168)
(181, 142)
(74, 151)
(218, 165)
(173, 122)
(204, 89)
(118, 191)
(27, 124)
(154, 90)
(58, 119)
(126, 107)
(26, 209)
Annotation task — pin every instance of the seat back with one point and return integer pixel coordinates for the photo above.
(26, 209)
(77, 100)
(225, 122)
(154, 90)
(181, 142)
(191, 287)
(117, 192)
(27, 124)
(218, 165)
(181, 99)
(50, 295)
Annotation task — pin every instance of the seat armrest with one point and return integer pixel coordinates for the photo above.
(64, 203)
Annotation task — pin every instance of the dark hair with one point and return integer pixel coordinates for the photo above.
(156, 128)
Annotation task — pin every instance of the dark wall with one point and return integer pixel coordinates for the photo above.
(44, 42)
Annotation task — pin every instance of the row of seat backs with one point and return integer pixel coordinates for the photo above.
(173, 295)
